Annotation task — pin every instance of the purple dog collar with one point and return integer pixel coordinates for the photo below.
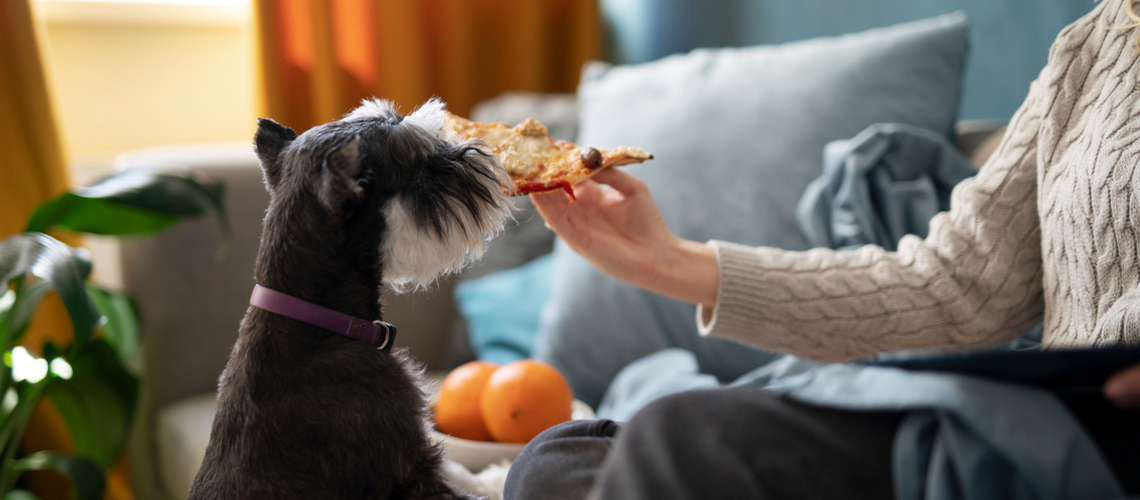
(377, 333)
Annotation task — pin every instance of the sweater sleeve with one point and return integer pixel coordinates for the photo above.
(975, 280)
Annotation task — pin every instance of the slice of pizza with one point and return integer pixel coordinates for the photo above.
(537, 163)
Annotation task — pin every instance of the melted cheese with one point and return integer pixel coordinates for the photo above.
(525, 155)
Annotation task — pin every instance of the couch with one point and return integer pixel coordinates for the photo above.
(191, 291)
(191, 285)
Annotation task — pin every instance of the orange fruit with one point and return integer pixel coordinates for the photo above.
(457, 409)
(524, 398)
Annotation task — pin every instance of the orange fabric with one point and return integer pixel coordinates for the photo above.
(33, 169)
(320, 58)
(32, 163)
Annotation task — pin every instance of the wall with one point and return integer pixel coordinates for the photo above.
(1009, 38)
(129, 76)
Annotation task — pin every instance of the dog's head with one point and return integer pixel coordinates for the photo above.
(435, 201)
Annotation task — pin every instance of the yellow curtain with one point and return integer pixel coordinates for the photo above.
(33, 169)
(319, 58)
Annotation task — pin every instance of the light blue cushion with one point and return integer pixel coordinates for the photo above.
(502, 309)
(737, 135)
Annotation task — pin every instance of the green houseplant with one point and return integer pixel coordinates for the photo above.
(91, 381)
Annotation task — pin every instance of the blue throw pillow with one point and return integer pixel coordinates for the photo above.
(737, 135)
(502, 309)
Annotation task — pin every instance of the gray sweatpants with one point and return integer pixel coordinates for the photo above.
(715, 444)
(750, 444)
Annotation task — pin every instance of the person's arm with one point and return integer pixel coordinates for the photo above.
(976, 280)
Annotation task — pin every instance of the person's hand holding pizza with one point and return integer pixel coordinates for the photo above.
(616, 225)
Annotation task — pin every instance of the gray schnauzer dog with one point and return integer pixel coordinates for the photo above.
(305, 410)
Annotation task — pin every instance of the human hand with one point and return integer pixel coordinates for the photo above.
(1123, 388)
(616, 225)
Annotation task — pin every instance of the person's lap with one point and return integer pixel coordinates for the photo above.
(724, 443)
(748, 443)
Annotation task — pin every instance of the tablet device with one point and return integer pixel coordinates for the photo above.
(1061, 370)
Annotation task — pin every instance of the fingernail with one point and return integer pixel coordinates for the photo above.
(547, 224)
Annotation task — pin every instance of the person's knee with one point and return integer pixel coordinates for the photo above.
(561, 462)
(670, 411)
(576, 429)
(686, 413)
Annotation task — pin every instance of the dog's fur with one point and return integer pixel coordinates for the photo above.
(375, 198)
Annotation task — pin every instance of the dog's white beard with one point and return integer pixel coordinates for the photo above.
(415, 256)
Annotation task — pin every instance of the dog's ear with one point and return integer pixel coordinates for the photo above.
(270, 140)
(339, 170)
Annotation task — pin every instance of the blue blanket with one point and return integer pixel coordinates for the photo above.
(884, 183)
(962, 437)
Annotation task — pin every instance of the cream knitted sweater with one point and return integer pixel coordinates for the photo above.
(1049, 227)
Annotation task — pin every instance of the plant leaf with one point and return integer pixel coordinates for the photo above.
(87, 479)
(24, 308)
(122, 328)
(97, 402)
(20, 495)
(97, 216)
(131, 202)
(7, 301)
(66, 268)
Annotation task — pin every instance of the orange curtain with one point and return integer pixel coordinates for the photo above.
(31, 156)
(319, 58)
(33, 169)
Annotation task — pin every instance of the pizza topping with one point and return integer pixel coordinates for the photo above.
(592, 158)
(525, 187)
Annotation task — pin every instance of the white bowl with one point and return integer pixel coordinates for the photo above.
(477, 455)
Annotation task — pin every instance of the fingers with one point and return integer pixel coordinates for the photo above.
(550, 204)
(549, 199)
(1124, 387)
(620, 180)
(585, 193)
(592, 198)
(588, 190)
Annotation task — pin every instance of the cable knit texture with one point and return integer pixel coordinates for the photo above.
(1049, 227)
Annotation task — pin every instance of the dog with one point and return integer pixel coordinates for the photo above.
(374, 199)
